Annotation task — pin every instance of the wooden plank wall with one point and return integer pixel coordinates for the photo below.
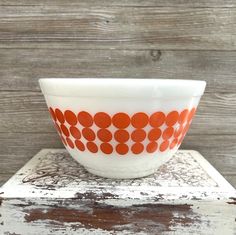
(182, 39)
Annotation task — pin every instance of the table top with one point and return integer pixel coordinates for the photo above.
(54, 194)
(52, 173)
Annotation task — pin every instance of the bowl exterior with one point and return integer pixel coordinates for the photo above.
(121, 137)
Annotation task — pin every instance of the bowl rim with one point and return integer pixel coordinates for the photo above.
(122, 87)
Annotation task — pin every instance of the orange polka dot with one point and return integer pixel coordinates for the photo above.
(154, 134)
(157, 119)
(121, 120)
(70, 117)
(106, 148)
(88, 134)
(138, 135)
(70, 143)
(58, 128)
(104, 135)
(79, 145)
(92, 147)
(65, 130)
(183, 116)
(164, 145)
(137, 148)
(102, 120)
(173, 143)
(53, 115)
(85, 119)
(75, 132)
(139, 120)
(121, 136)
(172, 118)
(178, 131)
(191, 114)
(63, 140)
(167, 133)
(152, 147)
(59, 115)
(122, 149)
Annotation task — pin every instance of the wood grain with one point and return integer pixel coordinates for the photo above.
(101, 27)
(126, 3)
(23, 112)
(21, 68)
(18, 148)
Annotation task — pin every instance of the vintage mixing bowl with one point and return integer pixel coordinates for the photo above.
(121, 128)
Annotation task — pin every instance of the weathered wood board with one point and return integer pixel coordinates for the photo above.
(128, 3)
(20, 68)
(118, 27)
(52, 194)
(73, 216)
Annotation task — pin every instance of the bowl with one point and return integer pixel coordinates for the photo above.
(121, 128)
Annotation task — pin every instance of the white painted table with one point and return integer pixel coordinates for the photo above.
(52, 194)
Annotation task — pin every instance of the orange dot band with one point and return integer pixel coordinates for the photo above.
(122, 133)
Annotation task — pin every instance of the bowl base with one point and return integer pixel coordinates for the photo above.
(121, 174)
(117, 167)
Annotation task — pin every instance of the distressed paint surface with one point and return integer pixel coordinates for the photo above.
(74, 216)
(52, 194)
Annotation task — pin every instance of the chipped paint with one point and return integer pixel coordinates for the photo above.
(76, 216)
(233, 201)
(55, 195)
(107, 217)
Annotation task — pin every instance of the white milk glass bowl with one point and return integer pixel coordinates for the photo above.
(121, 128)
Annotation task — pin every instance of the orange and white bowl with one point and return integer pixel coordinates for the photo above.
(121, 128)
